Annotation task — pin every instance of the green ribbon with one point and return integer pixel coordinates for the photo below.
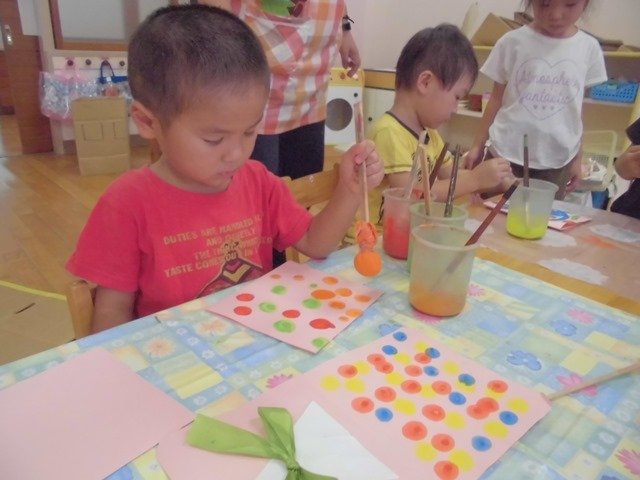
(277, 7)
(217, 436)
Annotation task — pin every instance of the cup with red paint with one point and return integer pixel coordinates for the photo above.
(396, 222)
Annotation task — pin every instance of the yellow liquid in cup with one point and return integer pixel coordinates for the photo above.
(535, 226)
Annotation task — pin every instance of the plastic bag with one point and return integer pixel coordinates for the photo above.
(57, 91)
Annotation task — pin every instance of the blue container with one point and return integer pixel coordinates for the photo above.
(615, 91)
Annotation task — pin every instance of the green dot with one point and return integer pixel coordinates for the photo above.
(319, 342)
(313, 285)
(279, 289)
(268, 307)
(311, 303)
(286, 326)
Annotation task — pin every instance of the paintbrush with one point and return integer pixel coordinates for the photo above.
(359, 124)
(525, 179)
(413, 175)
(436, 167)
(425, 182)
(448, 208)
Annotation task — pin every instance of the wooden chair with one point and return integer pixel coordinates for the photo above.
(310, 191)
(80, 298)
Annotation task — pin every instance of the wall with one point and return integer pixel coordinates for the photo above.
(382, 26)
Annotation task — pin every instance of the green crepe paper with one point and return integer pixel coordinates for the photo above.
(217, 436)
(277, 7)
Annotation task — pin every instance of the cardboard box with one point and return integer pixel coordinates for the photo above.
(102, 135)
(31, 321)
(492, 28)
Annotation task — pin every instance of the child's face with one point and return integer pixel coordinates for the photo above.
(557, 18)
(205, 145)
(439, 103)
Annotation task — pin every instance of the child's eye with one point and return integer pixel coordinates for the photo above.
(213, 141)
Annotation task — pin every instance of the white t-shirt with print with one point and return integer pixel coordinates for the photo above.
(545, 80)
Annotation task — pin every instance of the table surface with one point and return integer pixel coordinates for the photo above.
(517, 325)
(598, 252)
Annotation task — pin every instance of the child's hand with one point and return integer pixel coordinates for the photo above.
(350, 166)
(491, 173)
(575, 173)
(472, 157)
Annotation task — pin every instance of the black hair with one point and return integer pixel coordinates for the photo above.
(444, 50)
(179, 51)
(528, 4)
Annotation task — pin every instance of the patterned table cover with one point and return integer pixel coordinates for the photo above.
(518, 326)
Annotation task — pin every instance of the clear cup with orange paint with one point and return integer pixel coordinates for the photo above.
(441, 267)
(396, 222)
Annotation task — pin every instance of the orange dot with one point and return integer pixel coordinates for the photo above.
(413, 370)
(330, 280)
(498, 386)
(477, 412)
(323, 294)
(443, 388)
(422, 358)
(344, 292)
(353, 312)
(291, 314)
(347, 371)
(376, 358)
(276, 276)
(298, 277)
(384, 367)
(362, 404)
(414, 430)
(411, 386)
(446, 470)
(385, 394)
(433, 412)
(368, 263)
(362, 298)
(488, 404)
(242, 310)
(344, 318)
(245, 297)
(337, 304)
(443, 442)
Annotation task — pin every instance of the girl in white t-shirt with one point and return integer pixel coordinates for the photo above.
(540, 72)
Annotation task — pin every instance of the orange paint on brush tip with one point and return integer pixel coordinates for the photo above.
(368, 263)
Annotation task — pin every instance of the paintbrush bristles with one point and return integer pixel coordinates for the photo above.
(525, 160)
(448, 208)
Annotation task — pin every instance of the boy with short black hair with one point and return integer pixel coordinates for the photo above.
(203, 217)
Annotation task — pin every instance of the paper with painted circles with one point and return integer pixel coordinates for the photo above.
(298, 305)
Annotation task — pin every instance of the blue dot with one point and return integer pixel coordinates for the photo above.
(431, 371)
(457, 398)
(508, 418)
(466, 379)
(480, 443)
(432, 352)
(400, 336)
(384, 414)
(389, 349)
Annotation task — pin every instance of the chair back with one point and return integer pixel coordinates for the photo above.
(80, 299)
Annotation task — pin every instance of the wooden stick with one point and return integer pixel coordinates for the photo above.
(359, 124)
(425, 181)
(634, 367)
(413, 175)
(525, 160)
(448, 208)
(436, 168)
(475, 236)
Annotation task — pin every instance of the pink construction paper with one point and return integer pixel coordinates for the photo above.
(422, 409)
(298, 305)
(82, 419)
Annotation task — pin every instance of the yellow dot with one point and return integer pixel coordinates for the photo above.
(463, 387)
(421, 346)
(492, 394)
(496, 429)
(363, 367)
(425, 451)
(355, 385)
(450, 367)
(330, 383)
(394, 378)
(427, 391)
(455, 420)
(402, 358)
(462, 459)
(402, 405)
(518, 405)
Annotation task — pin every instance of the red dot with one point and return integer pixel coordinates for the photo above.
(362, 404)
(414, 430)
(376, 358)
(433, 412)
(488, 404)
(498, 386)
(422, 358)
(443, 442)
(347, 371)
(321, 324)
(242, 310)
(385, 394)
(291, 314)
(413, 370)
(443, 388)
(446, 470)
(384, 367)
(411, 386)
(245, 297)
(477, 412)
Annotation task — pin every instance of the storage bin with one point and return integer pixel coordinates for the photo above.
(615, 91)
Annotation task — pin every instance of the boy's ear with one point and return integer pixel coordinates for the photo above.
(148, 124)
(425, 80)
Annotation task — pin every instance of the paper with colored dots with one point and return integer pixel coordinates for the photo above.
(298, 305)
(422, 409)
